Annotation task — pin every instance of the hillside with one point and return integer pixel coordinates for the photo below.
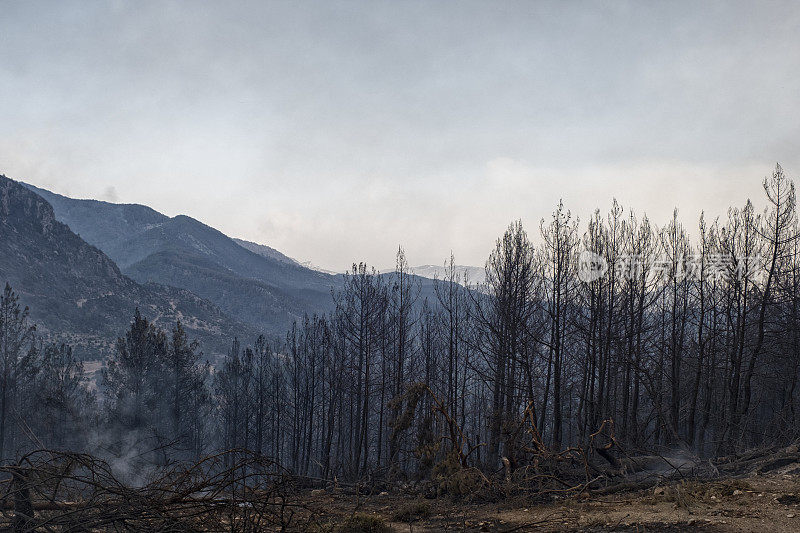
(258, 286)
(76, 293)
(266, 251)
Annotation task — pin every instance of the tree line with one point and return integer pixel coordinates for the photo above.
(678, 341)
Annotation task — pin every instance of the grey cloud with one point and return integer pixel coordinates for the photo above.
(297, 123)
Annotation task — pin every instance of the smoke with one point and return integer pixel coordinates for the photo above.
(134, 456)
(673, 462)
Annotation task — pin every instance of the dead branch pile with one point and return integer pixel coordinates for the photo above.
(529, 466)
(532, 468)
(569, 471)
(71, 492)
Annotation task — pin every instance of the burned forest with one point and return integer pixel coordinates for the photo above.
(600, 356)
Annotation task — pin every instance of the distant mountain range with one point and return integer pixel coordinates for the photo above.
(77, 294)
(251, 283)
(271, 253)
(83, 266)
(474, 274)
(430, 272)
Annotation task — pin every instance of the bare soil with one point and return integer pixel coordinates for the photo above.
(754, 503)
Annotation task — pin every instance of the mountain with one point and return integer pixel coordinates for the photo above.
(474, 274)
(265, 251)
(429, 272)
(312, 266)
(251, 283)
(77, 294)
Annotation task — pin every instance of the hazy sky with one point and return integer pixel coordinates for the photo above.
(335, 131)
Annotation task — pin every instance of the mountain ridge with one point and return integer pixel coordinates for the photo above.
(259, 286)
(77, 294)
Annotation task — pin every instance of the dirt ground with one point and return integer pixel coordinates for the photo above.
(754, 503)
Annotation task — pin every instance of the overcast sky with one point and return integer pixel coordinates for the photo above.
(335, 131)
